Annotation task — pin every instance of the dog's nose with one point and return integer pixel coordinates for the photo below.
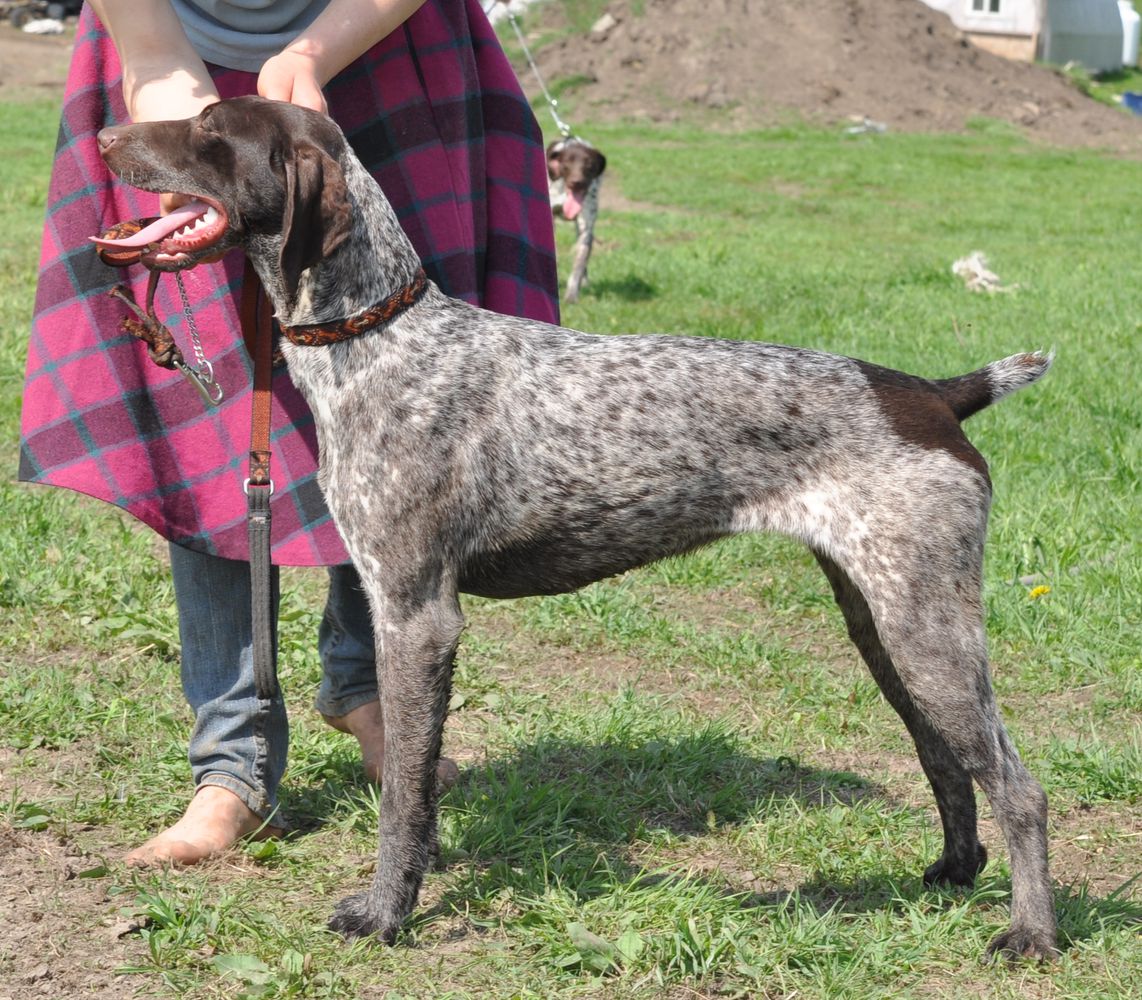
(107, 138)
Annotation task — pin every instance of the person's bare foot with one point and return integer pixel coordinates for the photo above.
(215, 821)
(367, 725)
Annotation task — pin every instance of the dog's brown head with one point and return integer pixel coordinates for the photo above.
(254, 169)
(578, 165)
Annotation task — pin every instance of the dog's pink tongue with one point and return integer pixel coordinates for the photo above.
(572, 206)
(159, 228)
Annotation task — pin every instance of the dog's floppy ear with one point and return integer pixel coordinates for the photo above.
(555, 159)
(599, 163)
(317, 217)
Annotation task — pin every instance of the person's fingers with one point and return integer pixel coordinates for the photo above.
(171, 200)
(275, 88)
(292, 78)
(308, 94)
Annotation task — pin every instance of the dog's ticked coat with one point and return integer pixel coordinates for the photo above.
(463, 450)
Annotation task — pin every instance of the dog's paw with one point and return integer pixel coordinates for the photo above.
(1023, 942)
(956, 871)
(354, 917)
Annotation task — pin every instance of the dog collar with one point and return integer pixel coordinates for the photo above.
(322, 334)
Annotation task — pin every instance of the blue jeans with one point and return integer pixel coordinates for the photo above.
(238, 741)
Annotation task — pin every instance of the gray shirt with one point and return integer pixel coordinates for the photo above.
(243, 34)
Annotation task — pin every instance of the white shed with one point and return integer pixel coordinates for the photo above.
(1089, 32)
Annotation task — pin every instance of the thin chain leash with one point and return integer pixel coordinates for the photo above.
(564, 128)
(201, 376)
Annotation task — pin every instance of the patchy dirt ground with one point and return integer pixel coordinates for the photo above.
(36, 63)
(63, 939)
(62, 935)
(759, 62)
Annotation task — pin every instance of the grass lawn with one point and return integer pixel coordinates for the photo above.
(681, 782)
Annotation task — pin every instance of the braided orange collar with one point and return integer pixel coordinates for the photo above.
(321, 334)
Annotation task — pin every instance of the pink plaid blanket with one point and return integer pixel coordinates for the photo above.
(436, 113)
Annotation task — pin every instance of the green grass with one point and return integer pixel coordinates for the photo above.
(1107, 87)
(681, 782)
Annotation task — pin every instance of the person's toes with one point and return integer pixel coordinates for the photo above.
(214, 821)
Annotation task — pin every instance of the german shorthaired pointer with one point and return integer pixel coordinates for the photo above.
(465, 451)
(574, 174)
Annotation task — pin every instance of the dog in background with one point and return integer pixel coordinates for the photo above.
(575, 170)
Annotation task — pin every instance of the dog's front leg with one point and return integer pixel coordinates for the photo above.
(584, 241)
(416, 635)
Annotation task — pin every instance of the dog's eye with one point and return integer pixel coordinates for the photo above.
(204, 124)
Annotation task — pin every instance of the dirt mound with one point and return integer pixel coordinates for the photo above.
(759, 61)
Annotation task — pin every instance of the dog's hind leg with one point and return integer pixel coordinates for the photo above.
(417, 625)
(925, 646)
(963, 855)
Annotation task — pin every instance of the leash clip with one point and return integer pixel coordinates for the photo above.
(161, 346)
(203, 380)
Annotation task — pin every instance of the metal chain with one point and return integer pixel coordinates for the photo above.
(564, 128)
(202, 374)
(195, 341)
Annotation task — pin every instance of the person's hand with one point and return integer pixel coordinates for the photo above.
(166, 99)
(294, 77)
(164, 78)
(339, 34)
(167, 96)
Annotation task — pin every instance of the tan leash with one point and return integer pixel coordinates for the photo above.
(256, 318)
(258, 332)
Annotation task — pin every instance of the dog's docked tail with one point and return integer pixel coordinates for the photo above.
(970, 393)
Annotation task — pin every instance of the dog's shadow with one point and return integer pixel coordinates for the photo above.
(630, 288)
(567, 810)
(564, 791)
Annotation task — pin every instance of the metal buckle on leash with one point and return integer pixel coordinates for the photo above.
(203, 380)
(147, 327)
(246, 486)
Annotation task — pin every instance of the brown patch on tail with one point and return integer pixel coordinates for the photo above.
(970, 393)
(928, 413)
(920, 414)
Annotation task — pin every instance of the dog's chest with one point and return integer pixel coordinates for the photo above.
(557, 192)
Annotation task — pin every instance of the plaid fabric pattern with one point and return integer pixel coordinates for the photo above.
(436, 114)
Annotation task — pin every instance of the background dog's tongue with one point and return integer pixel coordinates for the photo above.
(571, 205)
(159, 228)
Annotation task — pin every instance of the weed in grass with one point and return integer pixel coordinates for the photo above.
(185, 935)
(1086, 922)
(27, 815)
